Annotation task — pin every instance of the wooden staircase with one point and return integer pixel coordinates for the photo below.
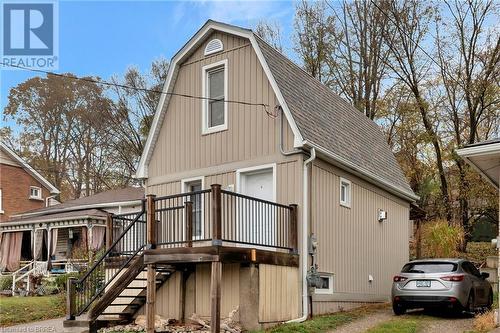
(123, 298)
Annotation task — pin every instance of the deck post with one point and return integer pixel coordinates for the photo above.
(189, 222)
(151, 271)
(292, 231)
(216, 215)
(109, 230)
(70, 298)
(215, 282)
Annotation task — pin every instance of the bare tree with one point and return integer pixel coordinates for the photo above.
(314, 38)
(411, 21)
(358, 62)
(270, 31)
(469, 68)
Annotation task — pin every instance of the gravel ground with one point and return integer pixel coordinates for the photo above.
(434, 323)
(443, 323)
(365, 323)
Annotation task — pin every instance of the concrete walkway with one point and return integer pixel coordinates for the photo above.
(45, 326)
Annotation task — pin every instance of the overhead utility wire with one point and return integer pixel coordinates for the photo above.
(123, 86)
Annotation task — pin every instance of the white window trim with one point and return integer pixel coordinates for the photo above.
(204, 106)
(1, 201)
(239, 172)
(328, 291)
(184, 183)
(348, 202)
(39, 197)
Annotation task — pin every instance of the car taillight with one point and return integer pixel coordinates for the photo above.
(453, 278)
(398, 278)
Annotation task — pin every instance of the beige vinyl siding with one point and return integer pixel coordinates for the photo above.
(230, 291)
(251, 132)
(278, 290)
(352, 244)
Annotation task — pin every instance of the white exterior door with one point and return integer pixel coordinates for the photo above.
(257, 222)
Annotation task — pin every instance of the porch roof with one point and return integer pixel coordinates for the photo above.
(79, 215)
(485, 158)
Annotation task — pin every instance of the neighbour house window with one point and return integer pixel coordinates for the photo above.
(35, 192)
(215, 91)
(345, 192)
(1, 201)
(326, 284)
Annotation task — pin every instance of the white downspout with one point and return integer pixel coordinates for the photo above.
(305, 237)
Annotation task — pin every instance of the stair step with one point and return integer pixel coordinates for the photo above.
(135, 288)
(129, 296)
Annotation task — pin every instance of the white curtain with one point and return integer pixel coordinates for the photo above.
(10, 250)
(97, 237)
(53, 242)
(37, 249)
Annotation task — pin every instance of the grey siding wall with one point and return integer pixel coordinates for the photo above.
(352, 243)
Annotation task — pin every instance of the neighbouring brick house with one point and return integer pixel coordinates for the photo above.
(22, 188)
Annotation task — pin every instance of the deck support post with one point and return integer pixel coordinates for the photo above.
(189, 222)
(215, 282)
(216, 214)
(109, 230)
(70, 298)
(292, 230)
(151, 271)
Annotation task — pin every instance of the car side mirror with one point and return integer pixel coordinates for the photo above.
(485, 275)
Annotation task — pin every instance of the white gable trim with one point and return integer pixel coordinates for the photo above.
(142, 170)
(29, 169)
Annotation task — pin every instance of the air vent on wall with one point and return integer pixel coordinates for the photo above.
(215, 45)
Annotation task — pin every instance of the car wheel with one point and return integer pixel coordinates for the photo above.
(398, 309)
(490, 300)
(470, 307)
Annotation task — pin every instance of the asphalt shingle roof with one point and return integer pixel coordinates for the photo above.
(327, 120)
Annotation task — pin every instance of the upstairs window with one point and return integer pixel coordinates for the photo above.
(345, 192)
(35, 192)
(215, 92)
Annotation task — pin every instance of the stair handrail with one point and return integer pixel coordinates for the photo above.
(99, 261)
(110, 249)
(14, 279)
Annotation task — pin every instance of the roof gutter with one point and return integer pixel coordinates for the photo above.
(41, 220)
(366, 175)
(80, 207)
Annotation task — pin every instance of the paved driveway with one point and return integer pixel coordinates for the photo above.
(45, 326)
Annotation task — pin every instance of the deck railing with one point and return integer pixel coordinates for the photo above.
(206, 217)
(218, 216)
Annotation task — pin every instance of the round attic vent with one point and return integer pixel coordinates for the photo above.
(215, 45)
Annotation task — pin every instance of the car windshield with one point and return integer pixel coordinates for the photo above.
(429, 267)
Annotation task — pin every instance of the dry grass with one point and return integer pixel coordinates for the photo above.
(440, 240)
(484, 322)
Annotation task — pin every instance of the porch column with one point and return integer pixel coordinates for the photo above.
(151, 271)
(215, 281)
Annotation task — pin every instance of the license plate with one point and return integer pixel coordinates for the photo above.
(423, 284)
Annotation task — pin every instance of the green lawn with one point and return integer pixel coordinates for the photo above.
(19, 310)
(396, 326)
(325, 323)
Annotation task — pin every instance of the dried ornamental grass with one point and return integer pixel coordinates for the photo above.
(441, 240)
(484, 322)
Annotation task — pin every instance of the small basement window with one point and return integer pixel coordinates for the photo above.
(35, 192)
(215, 91)
(326, 284)
(345, 192)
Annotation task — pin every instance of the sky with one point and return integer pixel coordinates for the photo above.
(103, 38)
